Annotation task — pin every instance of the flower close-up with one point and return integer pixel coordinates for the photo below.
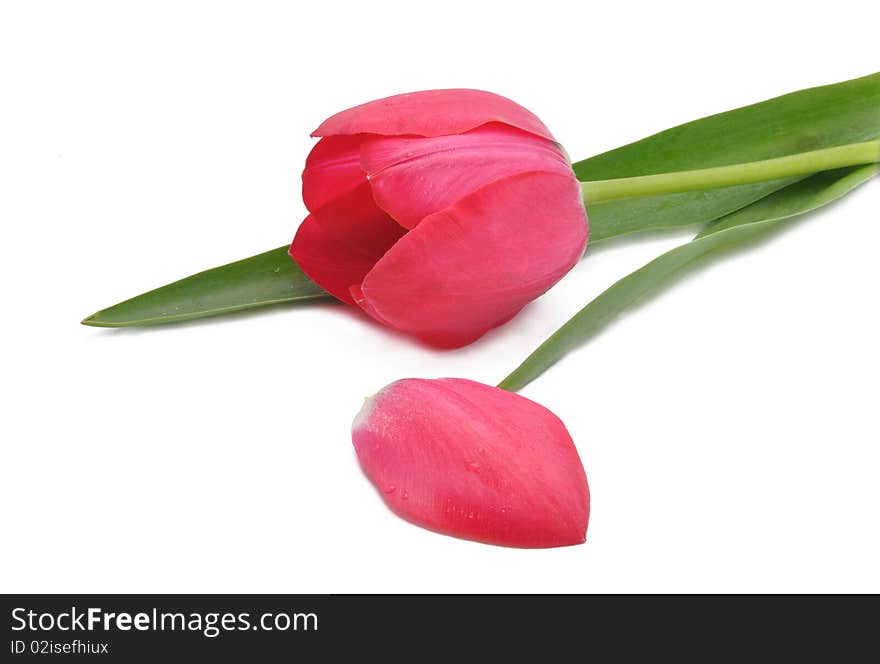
(473, 461)
(439, 213)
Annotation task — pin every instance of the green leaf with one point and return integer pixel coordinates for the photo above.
(267, 278)
(748, 224)
(812, 119)
(807, 120)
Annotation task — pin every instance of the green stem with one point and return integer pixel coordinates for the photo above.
(805, 163)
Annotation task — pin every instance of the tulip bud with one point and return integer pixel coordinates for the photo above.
(439, 213)
(474, 461)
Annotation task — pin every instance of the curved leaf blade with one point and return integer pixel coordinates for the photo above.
(268, 278)
(821, 117)
(757, 220)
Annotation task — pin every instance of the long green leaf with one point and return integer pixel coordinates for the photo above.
(748, 224)
(806, 120)
(811, 119)
(267, 278)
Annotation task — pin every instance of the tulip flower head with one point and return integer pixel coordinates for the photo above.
(474, 461)
(439, 213)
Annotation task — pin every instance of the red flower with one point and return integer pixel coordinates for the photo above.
(474, 461)
(439, 213)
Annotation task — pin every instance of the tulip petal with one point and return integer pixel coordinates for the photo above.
(432, 113)
(474, 265)
(474, 461)
(332, 169)
(413, 177)
(337, 245)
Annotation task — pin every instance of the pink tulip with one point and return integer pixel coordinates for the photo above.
(474, 461)
(439, 213)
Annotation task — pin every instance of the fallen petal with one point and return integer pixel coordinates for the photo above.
(474, 461)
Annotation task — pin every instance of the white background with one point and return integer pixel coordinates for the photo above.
(728, 428)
